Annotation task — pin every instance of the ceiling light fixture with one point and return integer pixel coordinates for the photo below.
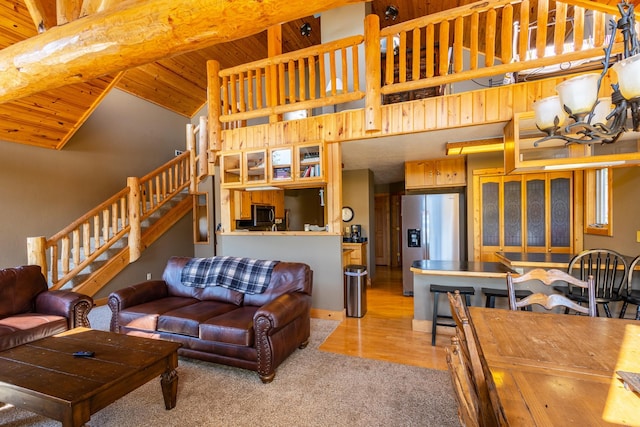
(472, 147)
(305, 29)
(391, 12)
(591, 120)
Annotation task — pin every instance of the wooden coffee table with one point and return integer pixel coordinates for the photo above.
(44, 376)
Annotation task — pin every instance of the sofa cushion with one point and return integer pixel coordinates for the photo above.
(23, 328)
(145, 316)
(186, 320)
(18, 288)
(234, 327)
(173, 277)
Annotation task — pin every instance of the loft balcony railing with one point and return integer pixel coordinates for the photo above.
(431, 51)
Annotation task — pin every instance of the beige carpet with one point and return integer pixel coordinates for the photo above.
(311, 388)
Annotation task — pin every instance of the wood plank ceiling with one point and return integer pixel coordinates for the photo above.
(179, 84)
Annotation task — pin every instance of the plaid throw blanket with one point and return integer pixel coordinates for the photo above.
(246, 275)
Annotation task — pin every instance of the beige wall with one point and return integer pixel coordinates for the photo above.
(358, 193)
(44, 190)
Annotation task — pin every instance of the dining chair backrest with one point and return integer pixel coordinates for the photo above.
(462, 382)
(608, 268)
(491, 412)
(552, 300)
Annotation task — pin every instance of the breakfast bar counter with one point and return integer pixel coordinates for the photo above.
(452, 273)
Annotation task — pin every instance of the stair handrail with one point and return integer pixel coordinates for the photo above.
(72, 249)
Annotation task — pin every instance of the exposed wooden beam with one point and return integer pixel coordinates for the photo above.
(43, 13)
(135, 33)
(68, 10)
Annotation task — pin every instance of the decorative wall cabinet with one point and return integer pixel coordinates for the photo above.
(520, 154)
(523, 213)
(284, 166)
(450, 172)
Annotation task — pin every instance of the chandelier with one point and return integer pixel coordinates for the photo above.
(577, 116)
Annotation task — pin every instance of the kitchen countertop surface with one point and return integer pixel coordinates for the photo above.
(461, 268)
(535, 259)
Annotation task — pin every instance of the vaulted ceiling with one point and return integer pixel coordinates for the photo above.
(179, 83)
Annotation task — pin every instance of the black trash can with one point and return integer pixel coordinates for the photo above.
(355, 290)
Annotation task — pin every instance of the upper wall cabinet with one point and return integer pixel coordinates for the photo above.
(282, 166)
(521, 155)
(450, 172)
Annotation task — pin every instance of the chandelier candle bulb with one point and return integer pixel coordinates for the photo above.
(628, 71)
(580, 93)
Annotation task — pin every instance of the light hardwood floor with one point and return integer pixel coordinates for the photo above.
(384, 332)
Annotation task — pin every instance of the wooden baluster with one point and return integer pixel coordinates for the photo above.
(388, 74)
(259, 99)
(233, 91)
(241, 97)
(490, 39)
(402, 57)
(541, 29)
(75, 235)
(443, 47)
(458, 40)
(158, 192)
(311, 62)
(430, 43)
(355, 69)
(506, 35)
(282, 96)
(292, 81)
(559, 29)
(599, 28)
(86, 238)
(323, 80)
(64, 247)
(415, 58)
(523, 40)
(332, 72)
(114, 218)
(105, 225)
(55, 274)
(226, 108)
(578, 28)
(96, 232)
(345, 69)
(302, 80)
(474, 32)
(202, 151)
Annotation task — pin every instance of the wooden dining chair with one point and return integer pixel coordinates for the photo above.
(490, 410)
(609, 270)
(550, 301)
(628, 294)
(463, 387)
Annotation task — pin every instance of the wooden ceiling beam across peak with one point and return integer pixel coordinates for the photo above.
(134, 33)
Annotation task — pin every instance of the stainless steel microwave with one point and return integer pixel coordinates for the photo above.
(261, 216)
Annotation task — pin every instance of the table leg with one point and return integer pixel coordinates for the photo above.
(169, 382)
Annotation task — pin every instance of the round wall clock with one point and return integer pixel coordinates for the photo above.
(347, 214)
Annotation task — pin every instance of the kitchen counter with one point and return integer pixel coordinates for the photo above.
(534, 259)
(453, 273)
(461, 268)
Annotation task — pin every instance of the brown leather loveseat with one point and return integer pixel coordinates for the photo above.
(30, 311)
(255, 331)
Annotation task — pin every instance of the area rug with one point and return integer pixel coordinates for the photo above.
(311, 388)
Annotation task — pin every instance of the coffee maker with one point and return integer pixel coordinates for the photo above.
(356, 233)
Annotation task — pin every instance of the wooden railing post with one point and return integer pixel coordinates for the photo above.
(191, 147)
(373, 101)
(203, 158)
(37, 252)
(135, 231)
(213, 95)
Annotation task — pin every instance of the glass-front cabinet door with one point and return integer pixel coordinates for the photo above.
(310, 164)
(281, 164)
(231, 167)
(255, 171)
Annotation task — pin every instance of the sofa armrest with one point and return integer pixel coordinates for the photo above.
(137, 294)
(72, 305)
(283, 310)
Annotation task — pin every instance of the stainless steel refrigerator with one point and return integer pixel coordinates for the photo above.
(431, 229)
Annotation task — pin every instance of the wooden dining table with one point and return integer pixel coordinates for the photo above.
(558, 369)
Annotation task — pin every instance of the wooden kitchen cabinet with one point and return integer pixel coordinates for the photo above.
(450, 172)
(231, 167)
(244, 199)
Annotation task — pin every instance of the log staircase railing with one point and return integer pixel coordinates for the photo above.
(71, 250)
(430, 51)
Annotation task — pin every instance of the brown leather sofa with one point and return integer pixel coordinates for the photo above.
(216, 324)
(30, 311)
